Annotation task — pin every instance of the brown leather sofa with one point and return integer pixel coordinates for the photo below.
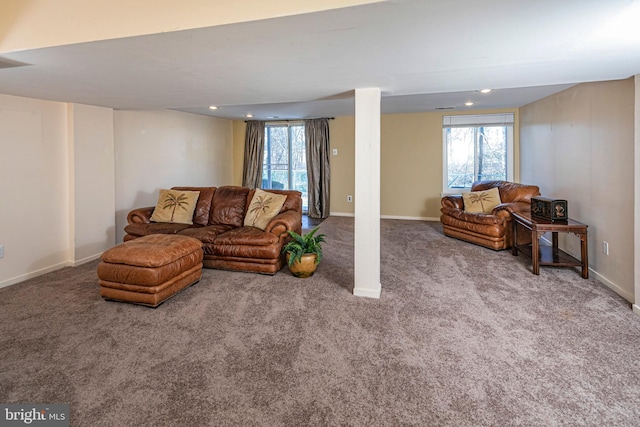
(490, 230)
(218, 223)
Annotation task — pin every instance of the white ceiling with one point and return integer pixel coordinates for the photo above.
(423, 54)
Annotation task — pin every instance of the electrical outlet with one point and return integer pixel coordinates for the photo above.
(605, 248)
(335, 151)
(1, 251)
(349, 198)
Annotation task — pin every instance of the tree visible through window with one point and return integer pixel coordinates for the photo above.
(477, 148)
(285, 160)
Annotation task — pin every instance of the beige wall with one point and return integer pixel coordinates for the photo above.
(92, 181)
(342, 133)
(410, 163)
(636, 192)
(29, 24)
(34, 217)
(239, 130)
(163, 149)
(578, 145)
(71, 173)
(56, 177)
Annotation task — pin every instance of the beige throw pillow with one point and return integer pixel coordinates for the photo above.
(175, 206)
(263, 207)
(481, 201)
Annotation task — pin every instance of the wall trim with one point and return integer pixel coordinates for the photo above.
(615, 288)
(342, 214)
(79, 262)
(368, 293)
(600, 278)
(410, 218)
(34, 274)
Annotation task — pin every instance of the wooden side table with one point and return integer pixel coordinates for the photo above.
(549, 255)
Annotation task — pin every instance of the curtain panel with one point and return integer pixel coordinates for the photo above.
(253, 154)
(318, 171)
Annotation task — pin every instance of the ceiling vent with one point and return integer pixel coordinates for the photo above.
(445, 108)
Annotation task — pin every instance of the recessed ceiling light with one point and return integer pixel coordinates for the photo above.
(212, 107)
(249, 116)
(485, 90)
(468, 104)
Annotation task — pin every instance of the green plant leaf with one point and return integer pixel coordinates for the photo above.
(307, 244)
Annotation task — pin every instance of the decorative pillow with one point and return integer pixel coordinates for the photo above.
(263, 207)
(175, 206)
(481, 201)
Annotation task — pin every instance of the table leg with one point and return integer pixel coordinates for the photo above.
(535, 251)
(584, 256)
(554, 239)
(514, 236)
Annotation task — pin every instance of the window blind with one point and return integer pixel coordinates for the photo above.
(463, 120)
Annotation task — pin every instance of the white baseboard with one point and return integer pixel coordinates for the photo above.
(34, 274)
(85, 260)
(341, 214)
(615, 288)
(636, 309)
(600, 278)
(46, 270)
(368, 293)
(410, 218)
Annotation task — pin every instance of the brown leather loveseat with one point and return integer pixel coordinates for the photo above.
(218, 221)
(492, 230)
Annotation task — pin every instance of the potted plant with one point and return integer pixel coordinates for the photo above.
(304, 253)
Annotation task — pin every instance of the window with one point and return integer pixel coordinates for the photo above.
(478, 147)
(285, 161)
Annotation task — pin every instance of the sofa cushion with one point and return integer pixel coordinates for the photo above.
(154, 251)
(228, 206)
(203, 205)
(481, 201)
(205, 234)
(175, 206)
(263, 207)
(293, 201)
(246, 236)
(509, 191)
(144, 229)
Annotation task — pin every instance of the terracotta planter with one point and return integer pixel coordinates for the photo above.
(305, 267)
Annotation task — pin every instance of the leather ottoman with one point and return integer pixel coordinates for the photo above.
(151, 269)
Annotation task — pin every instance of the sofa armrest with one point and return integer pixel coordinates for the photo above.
(474, 218)
(452, 201)
(285, 221)
(140, 215)
(505, 209)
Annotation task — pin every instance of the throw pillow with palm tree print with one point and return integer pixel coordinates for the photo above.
(263, 207)
(175, 206)
(481, 201)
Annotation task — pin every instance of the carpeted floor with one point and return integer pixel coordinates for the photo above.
(462, 336)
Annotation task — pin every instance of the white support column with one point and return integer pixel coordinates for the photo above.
(367, 194)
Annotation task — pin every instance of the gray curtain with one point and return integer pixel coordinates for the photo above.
(318, 172)
(253, 154)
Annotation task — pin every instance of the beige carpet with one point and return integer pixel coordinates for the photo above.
(462, 336)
